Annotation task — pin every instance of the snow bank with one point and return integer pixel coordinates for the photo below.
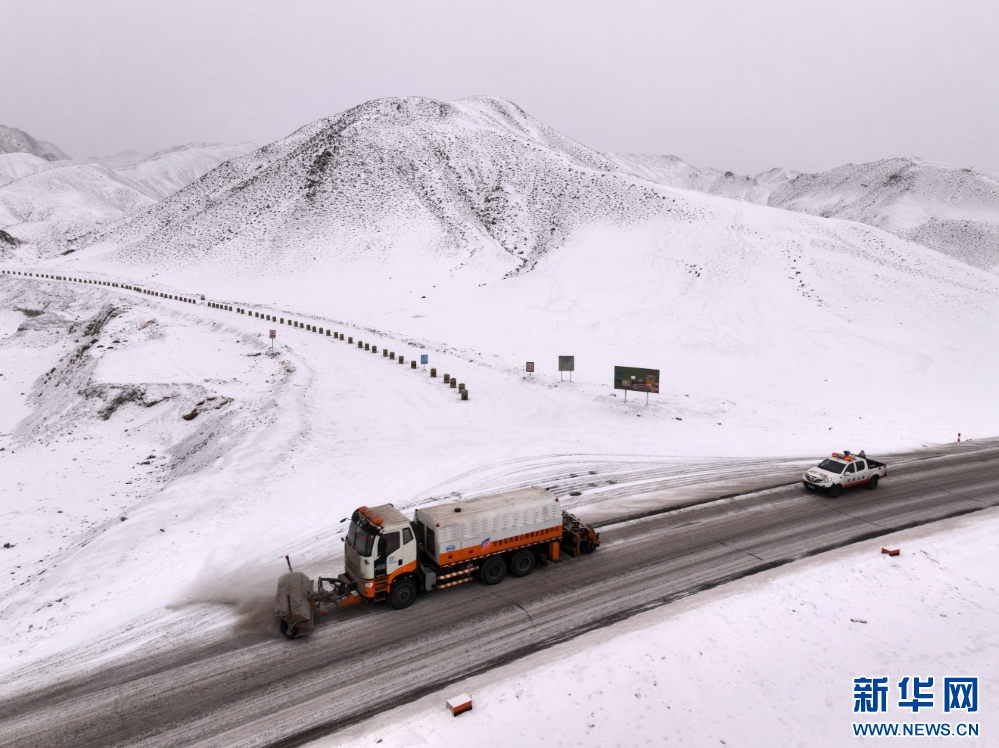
(769, 660)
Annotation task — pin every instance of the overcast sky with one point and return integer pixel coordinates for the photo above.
(742, 85)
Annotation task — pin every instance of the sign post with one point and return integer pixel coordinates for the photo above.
(566, 363)
(273, 335)
(424, 359)
(635, 379)
(530, 367)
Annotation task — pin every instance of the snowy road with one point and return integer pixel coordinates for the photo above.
(254, 690)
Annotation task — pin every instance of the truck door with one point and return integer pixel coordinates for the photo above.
(388, 551)
(409, 547)
(861, 470)
(850, 474)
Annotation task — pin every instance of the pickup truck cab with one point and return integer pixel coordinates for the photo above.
(844, 470)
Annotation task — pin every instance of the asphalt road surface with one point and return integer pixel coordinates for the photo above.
(257, 690)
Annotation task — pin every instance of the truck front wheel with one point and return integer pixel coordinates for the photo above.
(835, 490)
(493, 570)
(872, 483)
(402, 594)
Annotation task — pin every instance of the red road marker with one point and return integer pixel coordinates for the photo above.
(459, 704)
(891, 553)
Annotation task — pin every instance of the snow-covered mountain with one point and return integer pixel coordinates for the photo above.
(470, 226)
(471, 180)
(49, 205)
(13, 140)
(951, 209)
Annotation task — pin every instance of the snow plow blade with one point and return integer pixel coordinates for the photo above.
(577, 536)
(293, 605)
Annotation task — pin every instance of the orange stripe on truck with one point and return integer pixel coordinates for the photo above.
(501, 546)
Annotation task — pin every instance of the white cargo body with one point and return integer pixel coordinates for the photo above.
(473, 528)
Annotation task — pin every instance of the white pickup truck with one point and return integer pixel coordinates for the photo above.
(844, 470)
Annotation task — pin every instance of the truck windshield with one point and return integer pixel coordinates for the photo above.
(361, 539)
(832, 466)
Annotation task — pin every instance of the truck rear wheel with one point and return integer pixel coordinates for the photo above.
(402, 594)
(493, 570)
(872, 483)
(835, 490)
(522, 563)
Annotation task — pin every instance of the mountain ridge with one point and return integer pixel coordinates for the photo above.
(49, 205)
(13, 140)
(949, 208)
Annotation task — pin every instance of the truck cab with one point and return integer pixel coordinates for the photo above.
(844, 470)
(380, 551)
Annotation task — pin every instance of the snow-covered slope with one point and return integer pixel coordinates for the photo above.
(675, 172)
(49, 205)
(51, 209)
(16, 165)
(13, 140)
(952, 209)
(166, 172)
(948, 208)
(470, 228)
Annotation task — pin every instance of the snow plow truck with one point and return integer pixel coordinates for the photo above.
(389, 557)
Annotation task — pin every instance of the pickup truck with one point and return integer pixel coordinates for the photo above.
(844, 470)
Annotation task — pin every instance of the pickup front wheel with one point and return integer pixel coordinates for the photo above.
(872, 483)
(835, 490)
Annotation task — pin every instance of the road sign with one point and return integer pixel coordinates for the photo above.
(566, 363)
(273, 334)
(530, 366)
(424, 358)
(637, 380)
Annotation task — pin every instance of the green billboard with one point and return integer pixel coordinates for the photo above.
(636, 380)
